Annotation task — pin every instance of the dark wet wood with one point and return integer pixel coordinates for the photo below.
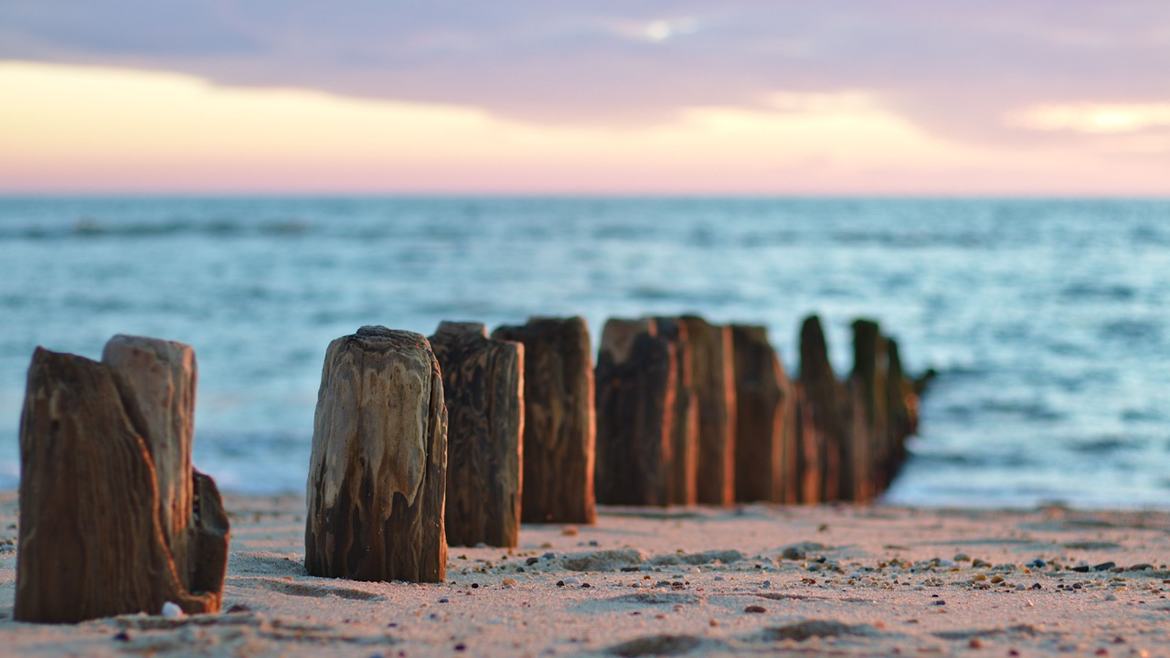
(765, 447)
(635, 410)
(483, 381)
(712, 360)
(93, 541)
(559, 423)
(685, 419)
(377, 474)
(902, 403)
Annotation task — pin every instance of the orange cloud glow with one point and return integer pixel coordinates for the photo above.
(111, 130)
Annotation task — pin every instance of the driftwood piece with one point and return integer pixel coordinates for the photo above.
(377, 474)
(559, 422)
(714, 386)
(685, 419)
(827, 412)
(92, 539)
(483, 385)
(635, 408)
(765, 448)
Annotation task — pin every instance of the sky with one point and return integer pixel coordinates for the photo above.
(899, 97)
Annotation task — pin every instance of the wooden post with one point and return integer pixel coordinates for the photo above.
(483, 385)
(635, 409)
(99, 514)
(871, 409)
(765, 449)
(685, 419)
(377, 475)
(559, 423)
(826, 413)
(809, 450)
(902, 408)
(160, 376)
(715, 388)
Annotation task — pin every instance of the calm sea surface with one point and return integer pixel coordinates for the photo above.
(1048, 320)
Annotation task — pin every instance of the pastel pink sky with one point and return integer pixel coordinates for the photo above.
(736, 97)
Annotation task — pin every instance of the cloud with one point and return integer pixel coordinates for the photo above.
(1093, 118)
(954, 68)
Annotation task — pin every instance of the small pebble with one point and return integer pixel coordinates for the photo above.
(122, 636)
(569, 531)
(755, 609)
(975, 643)
(531, 561)
(171, 610)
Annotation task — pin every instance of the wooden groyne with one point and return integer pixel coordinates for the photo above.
(460, 437)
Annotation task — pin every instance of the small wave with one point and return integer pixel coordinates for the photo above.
(923, 239)
(1107, 445)
(1098, 291)
(92, 229)
(1025, 409)
(1132, 329)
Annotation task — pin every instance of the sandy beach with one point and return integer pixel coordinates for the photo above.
(756, 579)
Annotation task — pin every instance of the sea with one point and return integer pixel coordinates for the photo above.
(1048, 320)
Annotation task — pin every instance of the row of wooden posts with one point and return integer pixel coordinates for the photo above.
(457, 439)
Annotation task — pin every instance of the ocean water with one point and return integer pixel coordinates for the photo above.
(1048, 320)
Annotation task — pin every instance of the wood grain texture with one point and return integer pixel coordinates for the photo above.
(161, 376)
(559, 422)
(712, 360)
(765, 446)
(827, 414)
(635, 410)
(685, 421)
(92, 541)
(483, 386)
(377, 475)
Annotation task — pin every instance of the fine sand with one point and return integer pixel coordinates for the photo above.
(836, 580)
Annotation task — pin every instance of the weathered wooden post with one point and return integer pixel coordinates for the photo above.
(827, 412)
(902, 405)
(113, 519)
(483, 384)
(160, 376)
(377, 474)
(685, 419)
(635, 411)
(871, 431)
(715, 388)
(765, 447)
(559, 423)
(809, 450)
